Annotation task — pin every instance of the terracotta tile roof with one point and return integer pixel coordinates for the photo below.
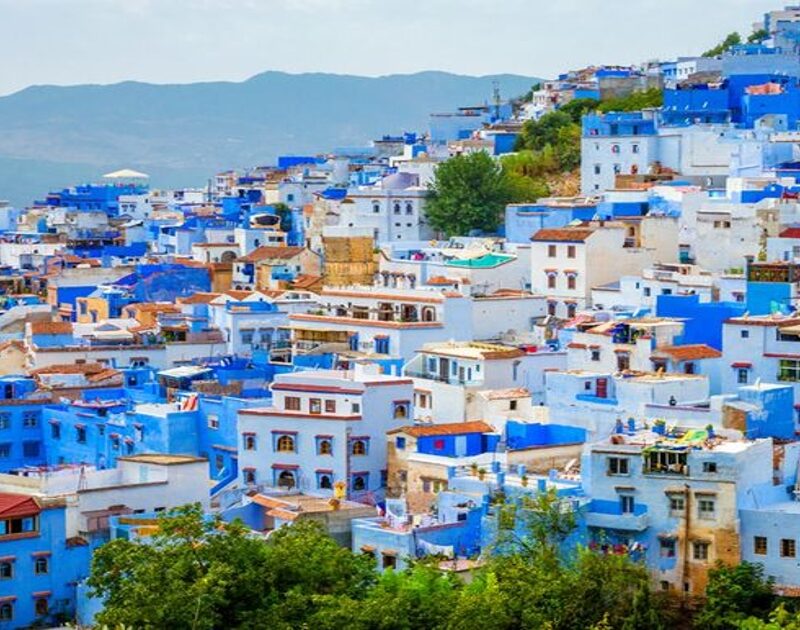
(238, 295)
(574, 234)
(155, 307)
(306, 281)
(452, 428)
(51, 328)
(505, 394)
(71, 368)
(689, 352)
(268, 252)
(103, 375)
(199, 298)
(18, 505)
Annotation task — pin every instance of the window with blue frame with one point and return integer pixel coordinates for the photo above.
(359, 481)
(400, 409)
(55, 431)
(5, 450)
(30, 449)
(384, 478)
(324, 444)
(284, 442)
(5, 421)
(400, 443)
(359, 446)
(249, 475)
(80, 434)
(325, 480)
(30, 419)
(431, 364)
(20, 525)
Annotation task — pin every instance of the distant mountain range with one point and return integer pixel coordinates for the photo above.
(181, 134)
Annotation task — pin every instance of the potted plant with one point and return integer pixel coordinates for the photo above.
(524, 480)
(474, 468)
(481, 473)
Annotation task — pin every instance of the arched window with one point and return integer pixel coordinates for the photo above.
(359, 483)
(428, 314)
(6, 612)
(325, 447)
(359, 447)
(286, 479)
(409, 207)
(286, 444)
(325, 482)
(376, 207)
(396, 208)
(400, 412)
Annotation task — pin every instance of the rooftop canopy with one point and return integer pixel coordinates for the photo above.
(126, 173)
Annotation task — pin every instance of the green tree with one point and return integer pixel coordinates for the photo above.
(733, 594)
(779, 619)
(731, 40)
(636, 101)
(469, 192)
(758, 36)
(285, 214)
(203, 573)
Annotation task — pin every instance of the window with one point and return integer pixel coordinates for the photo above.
(744, 334)
(742, 376)
(617, 465)
(359, 447)
(285, 444)
(355, 408)
(551, 251)
(314, 405)
(700, 550)
(688, 368)
(360, 482)
(598, 169)
(376, 207)
(626, 504)
(6, 570)
(5, 421)
(709, 467)
(788, 548)
(30, 449)
(571, 282)
(6, 611)
(647, 291)
(595, 355)
(396, 208)
(324, 446)
(80, 435)
(41, 565)
(41, 606)
(615, 148)
(634, 148)
(409, 208)
(400, 443)
(55, 431)
(30, 419)
(400, 411)
(213, 421)
(677, 504)
(570, 251)
(789, 370)
(249, 441)
(291, 403)
(247, 337)
(760, 545)
(551, 308)
(706, 508)
(551, 281)
(667, 548)
(330, 406)
(324, 482)
(219, 462)
(389, 561)
(512, 405)
(249, 475)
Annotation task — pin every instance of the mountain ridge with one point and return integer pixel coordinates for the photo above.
(191, 130)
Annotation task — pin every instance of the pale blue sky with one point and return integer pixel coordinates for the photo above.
(180, 41)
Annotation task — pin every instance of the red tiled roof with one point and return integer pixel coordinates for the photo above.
(689, 352)
(18, 505)
(452, 428)
(51, 328)
(575, 234)
(269, 252)
(199, 298)
(790, 232)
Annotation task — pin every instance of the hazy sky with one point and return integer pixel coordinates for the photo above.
(179, 41)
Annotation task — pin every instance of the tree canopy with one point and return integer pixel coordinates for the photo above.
(469, 192)
(731, 40)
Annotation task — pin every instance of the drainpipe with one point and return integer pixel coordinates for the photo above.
(686, 529)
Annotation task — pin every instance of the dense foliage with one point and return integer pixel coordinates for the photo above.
(731, 40)
(470, 192)
(204, 574)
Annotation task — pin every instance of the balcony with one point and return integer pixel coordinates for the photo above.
(450, 380)
(627, 522)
